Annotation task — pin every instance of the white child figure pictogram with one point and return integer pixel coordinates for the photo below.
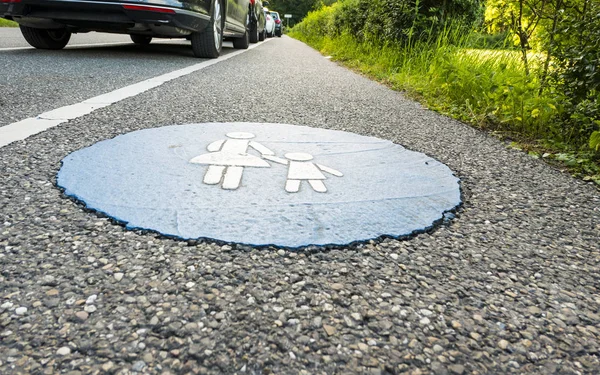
(300, 168)
(228, 157)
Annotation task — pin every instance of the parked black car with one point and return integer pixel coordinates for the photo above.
(48, 24)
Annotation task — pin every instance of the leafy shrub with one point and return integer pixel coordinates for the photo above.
(385, 21)
(595, 141)
(577, 72)
(316, 25)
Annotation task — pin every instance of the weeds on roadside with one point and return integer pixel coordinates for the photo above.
(7, 23)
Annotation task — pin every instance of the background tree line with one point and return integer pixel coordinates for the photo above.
(297, 8)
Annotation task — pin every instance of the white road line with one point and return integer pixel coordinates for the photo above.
(75, 46)
(70, 47)
(18, 131)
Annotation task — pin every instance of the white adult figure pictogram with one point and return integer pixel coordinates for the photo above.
(302, 169)
(228, 157)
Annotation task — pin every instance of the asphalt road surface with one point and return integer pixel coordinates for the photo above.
(511, 285)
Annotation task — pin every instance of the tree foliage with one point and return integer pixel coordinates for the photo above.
(297, 8)
(389, 19)
(576, 51)
(567, 33)
(403, 20)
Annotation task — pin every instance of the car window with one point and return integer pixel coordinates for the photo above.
(275, 15)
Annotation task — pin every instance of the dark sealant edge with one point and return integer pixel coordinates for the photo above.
(444, 220)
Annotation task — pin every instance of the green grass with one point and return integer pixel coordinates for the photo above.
(483, 87)
(7, 23)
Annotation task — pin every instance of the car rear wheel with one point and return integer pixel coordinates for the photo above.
(44, 38)
(243, 42)
(141, 39)
(208, 43)
(254, 33)
(262, 36)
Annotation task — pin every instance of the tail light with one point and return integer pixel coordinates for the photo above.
(9, 1)
(278, 21)
(252, 2)
(268, 18)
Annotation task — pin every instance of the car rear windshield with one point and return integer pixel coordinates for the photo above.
(275, 15)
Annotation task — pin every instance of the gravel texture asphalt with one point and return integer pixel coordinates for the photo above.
(509, 286)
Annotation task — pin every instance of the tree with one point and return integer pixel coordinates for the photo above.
(521, 18)
(576, 73)
(567, 33)
(297, 8)
(404, 20)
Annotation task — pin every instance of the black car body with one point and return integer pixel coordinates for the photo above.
(48, 24)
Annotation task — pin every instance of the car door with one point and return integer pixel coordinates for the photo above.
(237, 12)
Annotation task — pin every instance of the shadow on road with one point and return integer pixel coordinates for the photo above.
(154, 50)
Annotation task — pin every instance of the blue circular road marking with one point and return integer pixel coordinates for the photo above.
(261, 184)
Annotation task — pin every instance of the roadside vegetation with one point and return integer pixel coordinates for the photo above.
(296, 8)
(7, 23)
(526, 70)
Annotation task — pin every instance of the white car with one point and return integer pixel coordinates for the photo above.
(269, 24)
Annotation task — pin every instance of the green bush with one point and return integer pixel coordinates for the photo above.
(488, 87)
(402, 20)
(576, 72)
(315, 26)
(595, 141)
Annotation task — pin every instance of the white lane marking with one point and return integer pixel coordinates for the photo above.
(69, 47)
(14, 131)
(18, 131)
(75, 46)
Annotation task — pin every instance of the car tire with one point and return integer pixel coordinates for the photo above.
(209, 42)
(262, 36)
(44, 38)
(142, 40)
(243, 42)
(278, 34)
(254, 34)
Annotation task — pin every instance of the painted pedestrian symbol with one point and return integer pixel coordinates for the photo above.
(290, 189)
(300, 168)
(228, 157)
